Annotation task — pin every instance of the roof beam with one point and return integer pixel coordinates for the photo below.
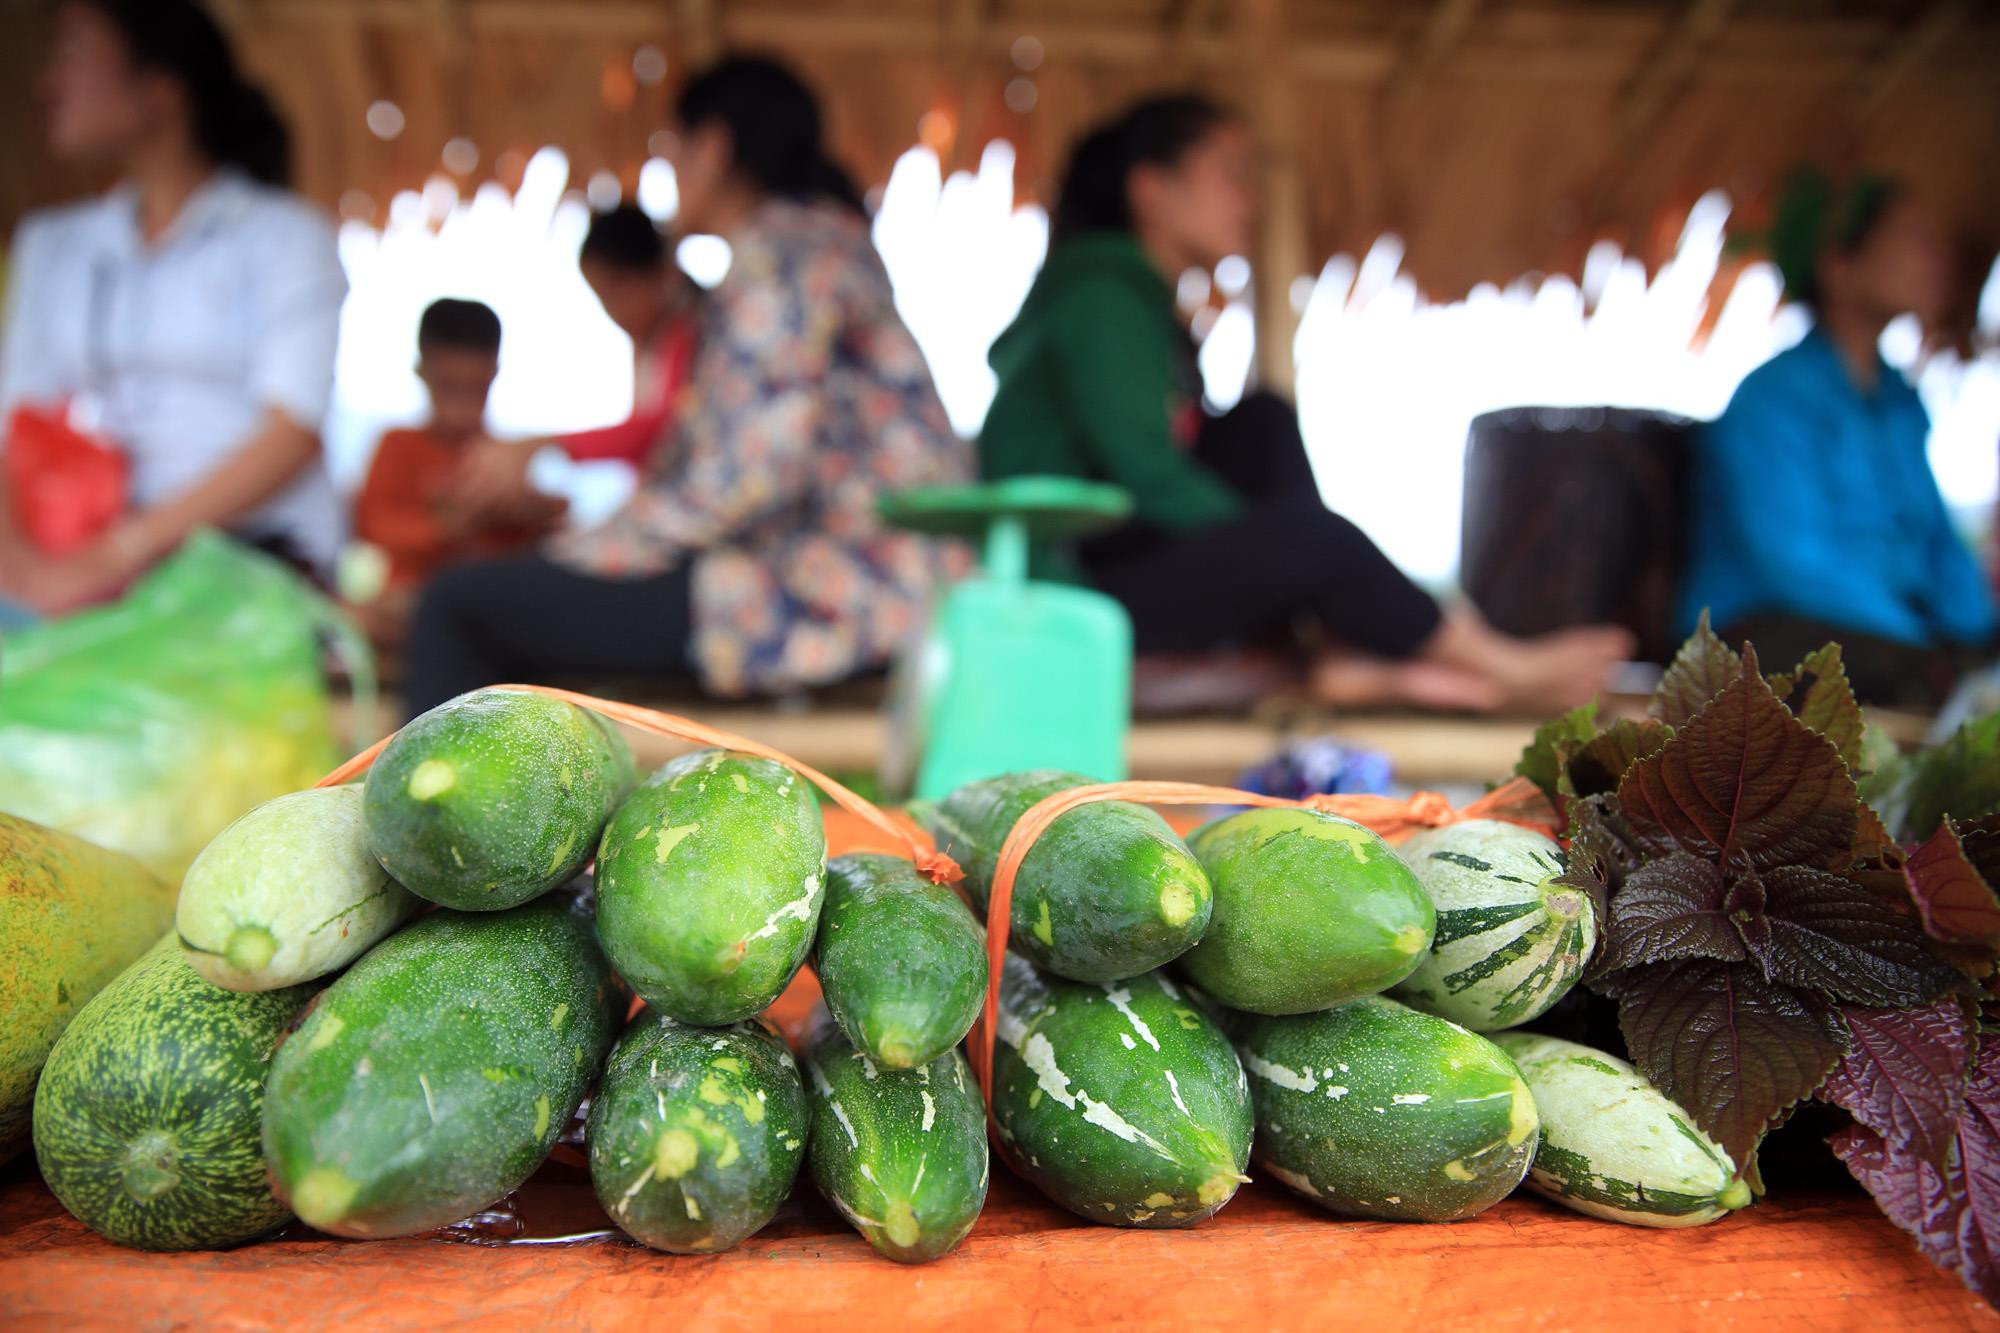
(1443, 31)
(1671, 68)
(1908, 51)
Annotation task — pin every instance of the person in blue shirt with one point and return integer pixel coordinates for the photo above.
(1815, 514)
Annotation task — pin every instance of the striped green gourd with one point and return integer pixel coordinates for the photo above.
(1512, 936)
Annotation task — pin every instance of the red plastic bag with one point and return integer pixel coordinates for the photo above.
(67, 487)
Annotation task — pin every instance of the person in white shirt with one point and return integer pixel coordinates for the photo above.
(189, 316)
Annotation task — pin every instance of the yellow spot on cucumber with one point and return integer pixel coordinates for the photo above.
(1176, 904)
(541, 1116)
(1522, 1118)
(496, 1075)
(729, 1062)
(1034, 1099)
(730, 1152)
(1736, 1194)
(432, 779)
(323, 1196)
(249, 948)
(1456, 1169)
(671, 838)
(742, 783)
(674, 1154)
(561, 856)
(899, 1224)
(1157, 1199)
(1219, 1187)
(1413, 939)
(1044, 928)
(561, 1012)
(331, 1025)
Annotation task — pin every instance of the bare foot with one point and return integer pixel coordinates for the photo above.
(1347, 681)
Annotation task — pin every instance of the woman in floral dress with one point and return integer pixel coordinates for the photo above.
(752, 556)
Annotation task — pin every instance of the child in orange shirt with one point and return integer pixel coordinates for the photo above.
(405, 510)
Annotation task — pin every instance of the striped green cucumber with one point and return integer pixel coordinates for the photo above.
(1311, 911)
(149, 1113)
(1108, 892)
(1376, 1110)
(288, 893)
(900, 959)
(1511, 937)
(494, 798)
(900, 1152)
(1616, 1147)
(437, 1073)
(72, 917)
(709, 885)
(1122, 1101)
(696, 1134)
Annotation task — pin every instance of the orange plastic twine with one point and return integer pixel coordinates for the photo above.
(1516, 802)
(937, 866)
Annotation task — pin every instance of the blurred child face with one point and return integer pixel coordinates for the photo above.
(635, 299)
(459, 379)
(1900, 269)
(1204, 206)
(99, 104)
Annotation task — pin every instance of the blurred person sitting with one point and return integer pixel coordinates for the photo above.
(1815, 513)
(408, 509)
(1231, 544)
(752, 555)
(193, 310)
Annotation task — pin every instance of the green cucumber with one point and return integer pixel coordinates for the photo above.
(288, 893)
(1376, 1110)
(72, 917)
(1122, 1101)
(696, 1134)
(1108, 892)
(900, 959)
(709, 885)
(437, 1073)
(1614, 1146)
(1311, 911)
(1512, 938)
(900, 1152)
(147, 1120)
(494, 798)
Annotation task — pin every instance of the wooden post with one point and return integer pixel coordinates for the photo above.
(1281, 242)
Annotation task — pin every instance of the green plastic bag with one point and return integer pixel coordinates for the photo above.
(148, 724)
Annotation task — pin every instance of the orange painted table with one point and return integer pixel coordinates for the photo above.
(1268, 1260)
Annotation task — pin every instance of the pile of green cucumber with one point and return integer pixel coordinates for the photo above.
(383, 1004)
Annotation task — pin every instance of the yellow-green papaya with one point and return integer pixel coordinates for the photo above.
(72, 917)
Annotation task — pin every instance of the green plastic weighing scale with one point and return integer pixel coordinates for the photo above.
(1014, 673)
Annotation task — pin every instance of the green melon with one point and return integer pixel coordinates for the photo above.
(1122, 1101)
(494, 798)
(696, 1134)
(1512, 938)
(288, 893)
(438, 1072)
(1311, 911)
(1614, 1146)
(149, 1114)
(709, 885)
(1376, 1110)
(900, 1152)
(1108, 892)
(900, 959)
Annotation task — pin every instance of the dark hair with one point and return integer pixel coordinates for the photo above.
(1816, 218)
(234, 122)
(774, 126)
(625, 238)
(1095, 193)
(469, 326)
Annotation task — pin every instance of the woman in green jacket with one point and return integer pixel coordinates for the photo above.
(1230, 543)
